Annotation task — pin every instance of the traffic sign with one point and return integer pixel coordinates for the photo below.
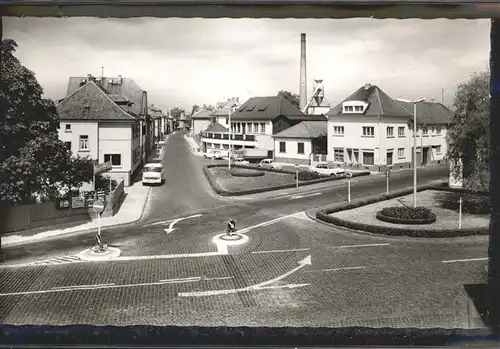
(348, 174)
(98, 206)
(103, 167)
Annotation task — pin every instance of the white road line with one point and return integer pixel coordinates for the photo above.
(277, 251)
(336, 269)
(168, 256)
(175, 221)
(263, 224)
(304, 196)
(221, 278)
(466, 260)
(367, 245)
(181, 280)
(80, 286)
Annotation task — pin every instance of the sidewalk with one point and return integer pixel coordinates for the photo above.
(193, 145)
(131, 211)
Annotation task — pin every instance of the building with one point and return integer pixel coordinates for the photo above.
(200, 121)
(302, 144)
(159, 123)
(318, 104)
(182, 121)
(126, 89)
(102, 126)
(253, 124)
(371, 130)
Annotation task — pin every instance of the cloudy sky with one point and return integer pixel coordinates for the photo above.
(181, 62)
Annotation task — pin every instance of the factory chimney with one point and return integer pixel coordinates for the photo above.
(303, 75)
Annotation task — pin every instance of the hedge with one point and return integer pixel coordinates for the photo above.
(325, 216)
(240, 172)
(223, 192)
(406, 215)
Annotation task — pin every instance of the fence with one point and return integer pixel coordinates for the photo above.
(22, 217)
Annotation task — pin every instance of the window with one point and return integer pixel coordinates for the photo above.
(433, 130)
(368, 158)
(250, 130)
(425, 131)
(338, 154)
(68, 128)
(116, 159)
(84, 142)
(438, 149)
(338, 130)
(282, 147)
(438, 130)
(390, 131)
(300, 148)
(227, 120)
(348, 108)
(358, 108)
(262, 127)
(68, 145)
(401, 131)
(401, 153)
(368, 131)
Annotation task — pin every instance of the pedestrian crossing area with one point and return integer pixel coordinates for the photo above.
(51, 261)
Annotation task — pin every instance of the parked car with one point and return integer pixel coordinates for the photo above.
(240, 161)
(323, 169)
(153, 174)
(216, 155)
(269, 163)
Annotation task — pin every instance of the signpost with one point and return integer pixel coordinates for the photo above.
(98, 208)
(297, 176)
(388, 176)
(460, 214)
(349, 176)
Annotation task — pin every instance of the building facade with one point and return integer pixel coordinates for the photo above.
(370, 130)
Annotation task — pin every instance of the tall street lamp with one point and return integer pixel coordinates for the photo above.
(415, 102)
(230, 140)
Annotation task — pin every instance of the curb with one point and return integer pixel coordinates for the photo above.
(324, 215)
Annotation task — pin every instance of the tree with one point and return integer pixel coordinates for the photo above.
(194, 109)
(291, 97)
(176, 112)
(31, 155)
(468, 134)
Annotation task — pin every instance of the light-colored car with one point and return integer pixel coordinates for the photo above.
(269, 163)
(323, 169)
(153, 174)
(240, 161)
(216, 155)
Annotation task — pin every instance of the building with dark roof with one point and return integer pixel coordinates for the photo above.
(254, 123)
(371, 130)
(103, 127)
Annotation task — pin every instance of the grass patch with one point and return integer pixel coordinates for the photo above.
(228, 182)
(471, 203)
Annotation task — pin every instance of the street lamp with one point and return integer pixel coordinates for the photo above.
(230, 136)
(415, 102)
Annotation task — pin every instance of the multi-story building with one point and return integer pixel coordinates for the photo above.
(253, 124)
(103, 127)
(371, 130)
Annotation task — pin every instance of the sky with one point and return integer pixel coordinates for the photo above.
(181, 62)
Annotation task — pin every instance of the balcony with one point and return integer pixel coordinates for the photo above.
(225, 136)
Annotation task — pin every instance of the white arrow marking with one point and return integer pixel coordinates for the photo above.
(262, 285)
(175, 221)
(304, 196)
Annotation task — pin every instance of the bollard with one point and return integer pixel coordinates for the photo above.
(460, 214)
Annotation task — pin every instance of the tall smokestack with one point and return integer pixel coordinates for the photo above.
(303, 72)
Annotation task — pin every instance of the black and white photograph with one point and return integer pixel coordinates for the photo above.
(244, 172)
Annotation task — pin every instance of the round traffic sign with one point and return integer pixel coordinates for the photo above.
(98, 206)
(348, 174)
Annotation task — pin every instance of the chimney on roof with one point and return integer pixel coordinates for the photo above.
(303, 72)
(145, 102)
(120, 79)
(367, 86)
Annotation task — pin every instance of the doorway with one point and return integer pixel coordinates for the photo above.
(389, 158)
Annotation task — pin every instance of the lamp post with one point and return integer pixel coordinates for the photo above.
(230, 136)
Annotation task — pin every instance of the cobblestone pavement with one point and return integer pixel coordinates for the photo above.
(353, 279)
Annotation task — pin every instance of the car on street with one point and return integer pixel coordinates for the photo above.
(323, 169)
(153, 174)
(240, 161)
(269, 163)
(216, 155)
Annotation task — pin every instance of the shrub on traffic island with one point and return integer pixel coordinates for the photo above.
(305, 175)
(406, 215)
(243, 172)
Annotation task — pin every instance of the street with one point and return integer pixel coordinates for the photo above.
(289, 271)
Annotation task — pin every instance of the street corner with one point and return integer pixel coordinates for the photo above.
(96, 254)
(224, 241)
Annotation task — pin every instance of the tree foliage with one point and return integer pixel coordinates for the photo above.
(468, 134)
(32, 158)
(176, 112)
(291, 97)
(194, 109)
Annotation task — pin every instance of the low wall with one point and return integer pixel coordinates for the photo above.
(22, 217)
(115, 200)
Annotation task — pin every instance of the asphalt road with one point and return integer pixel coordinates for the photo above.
(292, 271)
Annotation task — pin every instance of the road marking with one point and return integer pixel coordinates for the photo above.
(466, 260)
(277, 251)
(304, 196)
(167, 256)
(221, 278)
(181, 280)
(175, 221)
(263, 224)
(367, 245)
(336, 269)
(80, 286)
(222, 245)
(262, 285)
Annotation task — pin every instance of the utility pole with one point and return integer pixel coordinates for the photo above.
(442, 96)
(102, 73)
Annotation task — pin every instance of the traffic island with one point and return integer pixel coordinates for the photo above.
(225, 183)
(361, 215)
(99, 254)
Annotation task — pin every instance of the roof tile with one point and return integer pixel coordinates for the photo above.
(305, 129)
